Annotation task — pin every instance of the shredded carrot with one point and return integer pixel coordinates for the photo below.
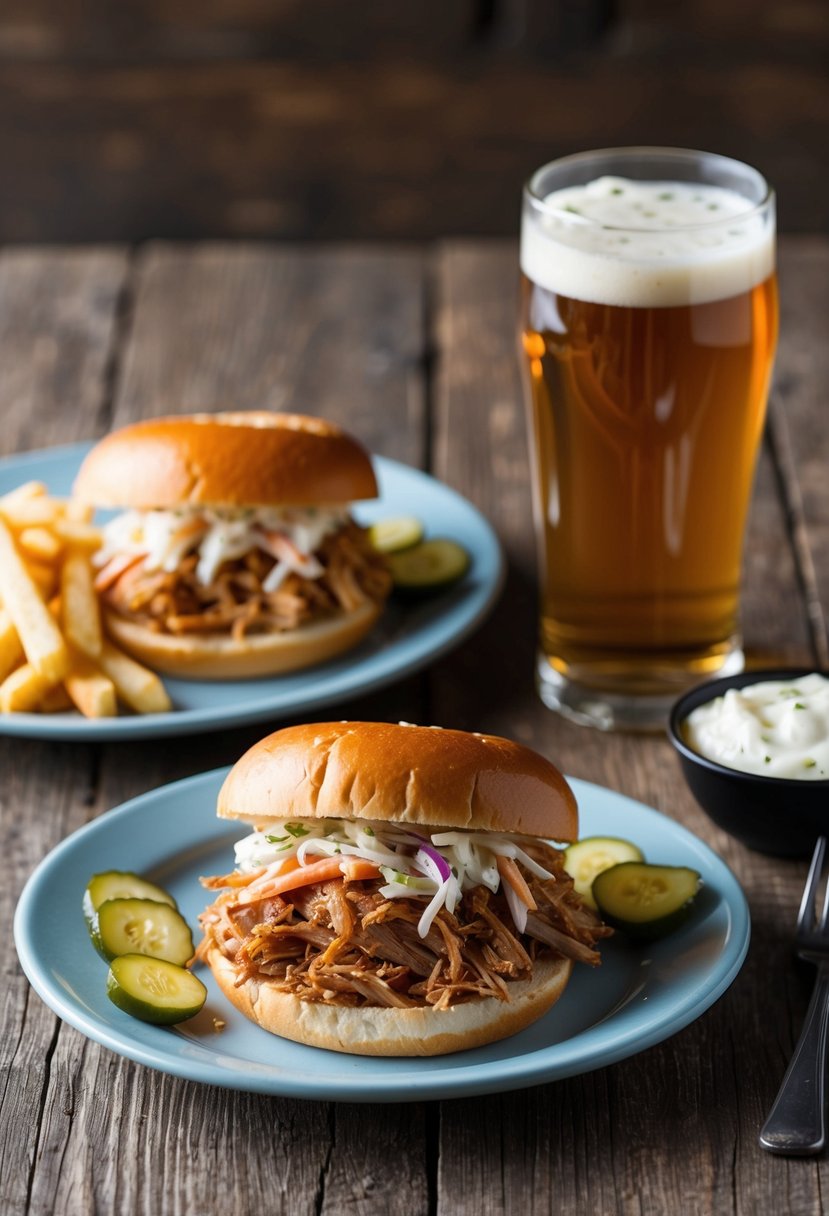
(115, 567)
(301, 876)
(236, 879)
(241, 879)
(354, 868)
(512, 875)
(281, 546)
(189, 528)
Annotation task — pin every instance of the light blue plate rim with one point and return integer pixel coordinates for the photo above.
(172, 829)
(425, 631)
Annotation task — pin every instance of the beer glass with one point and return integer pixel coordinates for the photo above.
(648, 330)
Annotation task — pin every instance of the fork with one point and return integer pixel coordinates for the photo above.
(795, 1125)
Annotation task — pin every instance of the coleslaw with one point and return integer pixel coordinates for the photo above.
(437, 868)
(291, 535)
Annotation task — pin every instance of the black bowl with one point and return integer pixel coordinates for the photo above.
(782, 816)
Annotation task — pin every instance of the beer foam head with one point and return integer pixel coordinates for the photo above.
(646, 244)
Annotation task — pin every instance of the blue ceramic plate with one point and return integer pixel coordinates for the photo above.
(407, 637)
(637, 997)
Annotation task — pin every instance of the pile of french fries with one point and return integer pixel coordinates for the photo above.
(53, 652)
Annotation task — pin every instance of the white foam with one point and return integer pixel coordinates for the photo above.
(647, 244)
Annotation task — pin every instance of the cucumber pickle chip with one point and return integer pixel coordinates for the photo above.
(119, 884)
(428, 566)
(142, 926)
(587, 858)
(154, 990)
(395, 535)
(645, 901)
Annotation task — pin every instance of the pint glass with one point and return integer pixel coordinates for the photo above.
(648, 330)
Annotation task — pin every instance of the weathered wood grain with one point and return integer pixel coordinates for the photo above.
(674, 1130)
(399, 148)
(38, 30)
(58, 327)
(336, 331)
(801, 435)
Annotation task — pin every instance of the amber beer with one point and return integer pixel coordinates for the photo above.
(649, 323)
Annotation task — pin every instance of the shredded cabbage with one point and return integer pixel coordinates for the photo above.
(402, 856)
(218, 535)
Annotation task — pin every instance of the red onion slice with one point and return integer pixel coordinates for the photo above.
(427, 854)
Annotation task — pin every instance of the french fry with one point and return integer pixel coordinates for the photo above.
(39, 543)
(11, 652)
(44, 577)
(91, 691)
(79, 533)
(30, 512)
(137, 686)
(80, 612)
(55, 700)
(78, 512)
(22, 493)
(40, 637)
(23, 690)
(53, 655)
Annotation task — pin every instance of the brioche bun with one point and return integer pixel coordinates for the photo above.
(402, 774)
(379, 1031)
(219, 656)
(233, 459)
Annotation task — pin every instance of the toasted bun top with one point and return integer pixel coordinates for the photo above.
(403, 774)
(226, 459)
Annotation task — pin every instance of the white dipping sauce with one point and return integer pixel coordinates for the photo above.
(778, 728)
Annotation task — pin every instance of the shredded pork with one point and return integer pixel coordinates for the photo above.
(341, 942)
(236, 602)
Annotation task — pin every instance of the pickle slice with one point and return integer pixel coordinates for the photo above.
(142, 926)
(645, 901)
(585, 859)
(119, 884)
(396, 535)
(154, 990)
(429, 565)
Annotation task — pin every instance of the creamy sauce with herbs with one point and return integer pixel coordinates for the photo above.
(774, 728)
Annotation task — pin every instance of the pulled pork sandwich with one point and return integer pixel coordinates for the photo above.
(398, 896)
(237, 554)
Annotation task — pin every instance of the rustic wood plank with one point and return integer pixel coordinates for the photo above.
(59, 319)
(336, 331)
(340, 333)
(394, 149)
(801, 440)
(39, 30)
(58, 323)
(674, 1130)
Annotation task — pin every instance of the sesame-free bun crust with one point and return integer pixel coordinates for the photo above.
(213, 656)
(377, 1031)
(402, 774)
(236, 459)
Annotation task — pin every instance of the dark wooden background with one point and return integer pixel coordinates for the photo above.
(330, 119)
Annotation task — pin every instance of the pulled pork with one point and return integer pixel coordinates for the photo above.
(235, 602)
(343, 943)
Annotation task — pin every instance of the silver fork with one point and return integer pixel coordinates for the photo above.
(796, 1125)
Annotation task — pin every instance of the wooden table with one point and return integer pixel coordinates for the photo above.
(413, 350)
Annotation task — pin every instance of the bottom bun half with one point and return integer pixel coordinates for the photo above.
(212, 656)
(376, 1031)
